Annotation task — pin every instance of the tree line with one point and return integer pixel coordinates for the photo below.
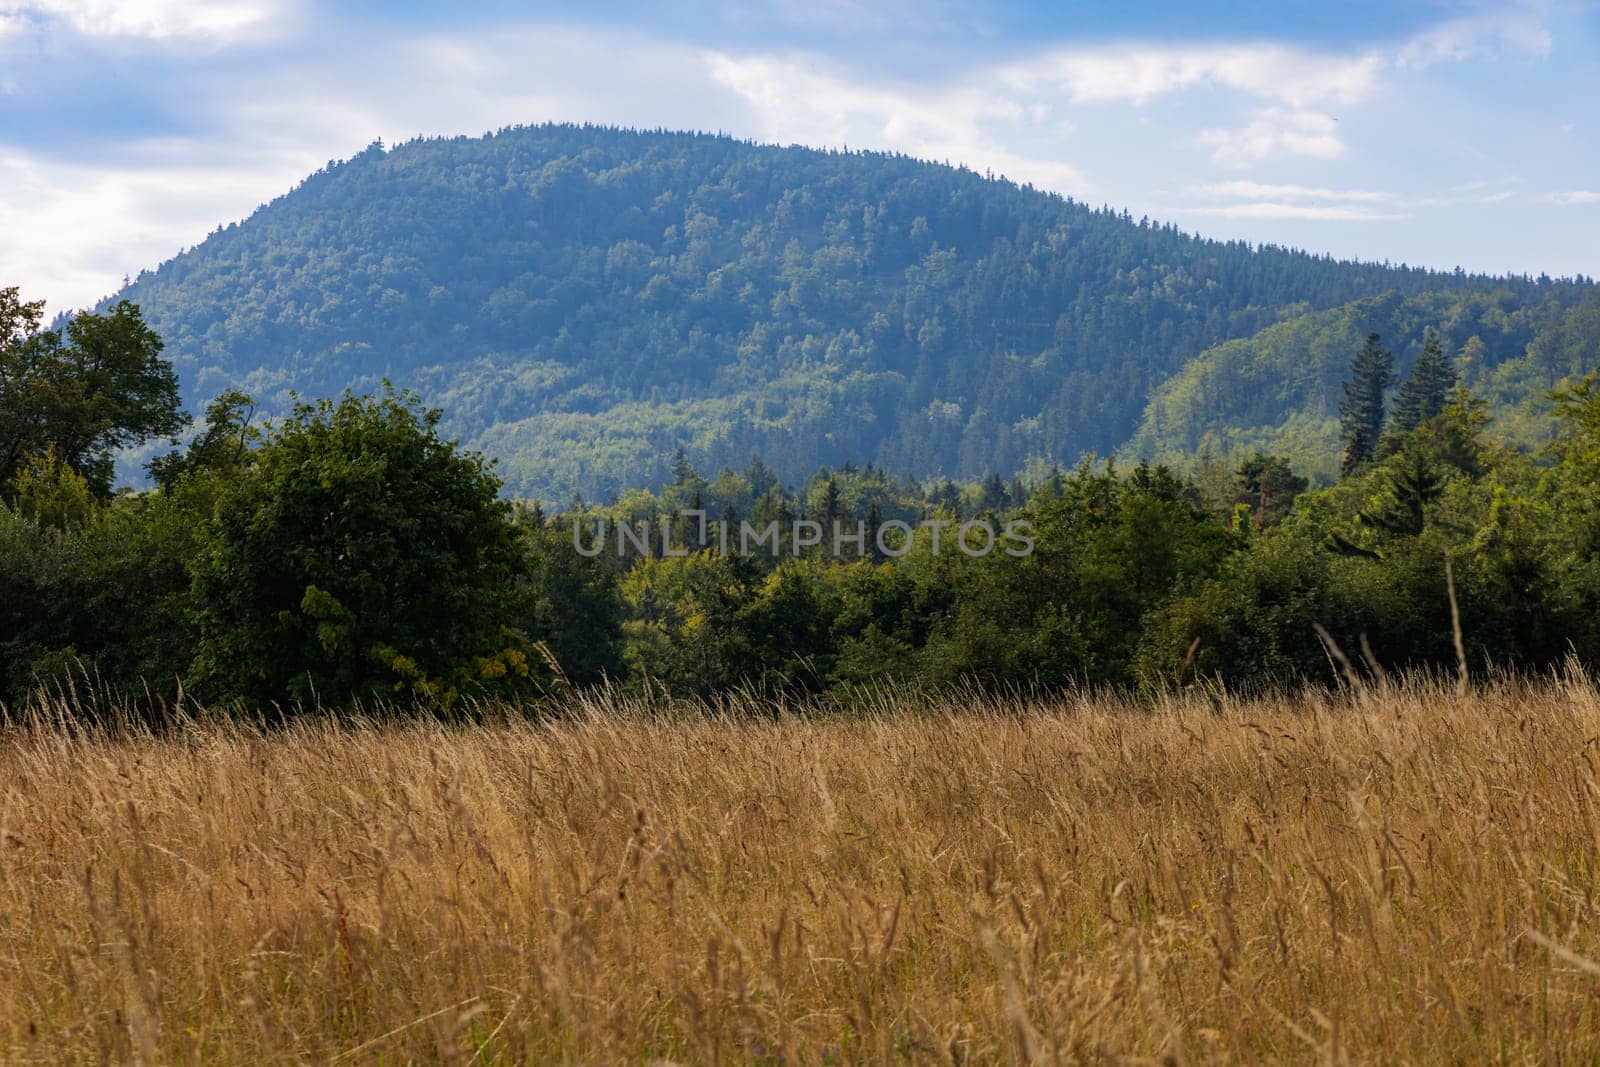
(348, 551)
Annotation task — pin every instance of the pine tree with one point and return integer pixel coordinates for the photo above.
(683, 471)
(701, 531)
(833, 510)
(995, 498)
(760, 476)
(1361, 412)
(1425, 393)
(1411, 485)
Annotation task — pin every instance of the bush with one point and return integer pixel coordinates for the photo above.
(359, 555)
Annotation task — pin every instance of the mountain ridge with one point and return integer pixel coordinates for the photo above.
(582, 301)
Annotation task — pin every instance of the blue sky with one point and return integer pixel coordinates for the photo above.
(1441, 133)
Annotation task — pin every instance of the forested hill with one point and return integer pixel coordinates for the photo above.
(581, 301)
(1280, 389)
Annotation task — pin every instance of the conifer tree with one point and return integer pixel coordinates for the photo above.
(995, 497)
(1361, 413)
(683, 471)
(1411, 484)
(1427, 390)
(832, 504)
(697, 507)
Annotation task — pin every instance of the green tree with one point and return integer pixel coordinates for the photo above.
(1424, 394)
(1111, 549)
(359, 555)
(1410, 486)
(81, 393)
(1361, 413)
(1269, 485)
(995, 496)
(223, 445)
(573, 603)
(101, 592)
(50, 493)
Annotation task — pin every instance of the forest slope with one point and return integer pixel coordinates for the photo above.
(582, 301)
(1280, 389)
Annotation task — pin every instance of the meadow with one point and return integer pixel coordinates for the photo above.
(1388, 873)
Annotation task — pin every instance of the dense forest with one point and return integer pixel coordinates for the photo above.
(1279, 389)
(583, 302)
(349, 551)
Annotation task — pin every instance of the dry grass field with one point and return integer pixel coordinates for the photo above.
(1401, 874)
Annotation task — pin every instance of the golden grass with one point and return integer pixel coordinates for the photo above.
(1394, 875)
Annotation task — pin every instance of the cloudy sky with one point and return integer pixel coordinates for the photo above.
(1441, 133)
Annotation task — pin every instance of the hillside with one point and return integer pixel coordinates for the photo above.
(581, 301)
(1280, 389)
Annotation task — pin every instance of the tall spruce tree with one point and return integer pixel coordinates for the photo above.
(1427, 390)
(1361, 412)
(1412, 483)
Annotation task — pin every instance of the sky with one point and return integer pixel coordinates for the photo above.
(1445, 134)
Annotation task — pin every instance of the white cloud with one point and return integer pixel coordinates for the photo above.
(1477, 37)
(73, 231)
(1263, 200)
(1270, 209)
(1262, 191)
(1140, 73)
(1296, 93)
(1294, 90)
(798, 99)
(1472, 192)
(1573, 198)
(1457, 199)
(1275, 131)
(158, 19)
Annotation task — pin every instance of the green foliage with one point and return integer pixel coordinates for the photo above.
(1278, 390)
(82, 393)
(1411, 485)
(105, 600)
(222, 446)
(1361, 414)
(572, 603)
(583, 302)
(1111, 550)
(1268, 484)
(1252, 624)
(358, 554)
(50, 493)
(1427, 389)
(350, 552)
